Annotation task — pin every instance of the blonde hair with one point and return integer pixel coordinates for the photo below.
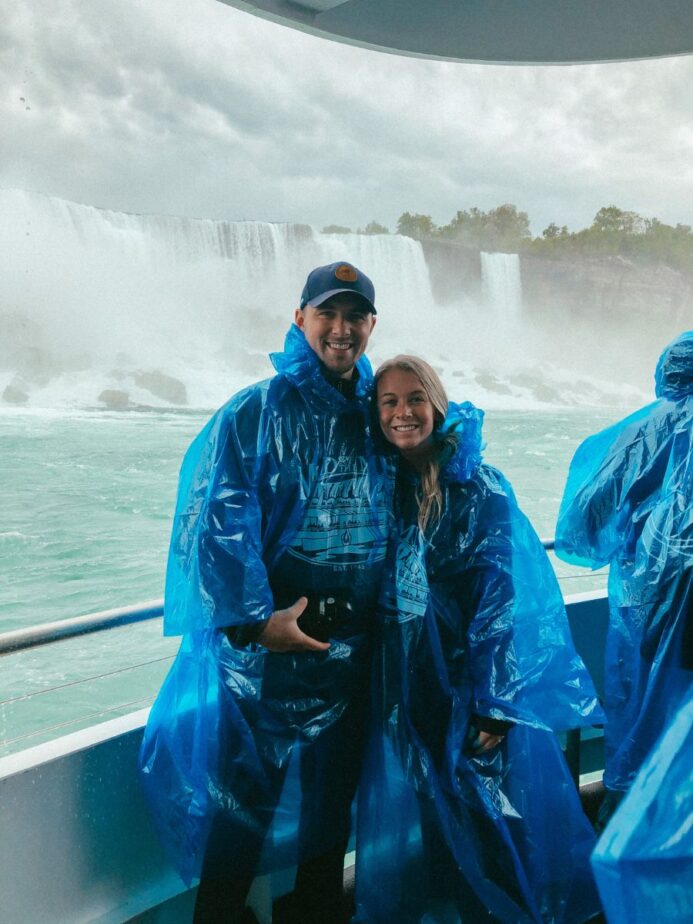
(429, 495)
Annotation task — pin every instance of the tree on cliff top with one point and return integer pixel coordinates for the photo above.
(615, 232)
(553, 231)
(374, 227)
(502, 228)
(416, 226)
(612, 219)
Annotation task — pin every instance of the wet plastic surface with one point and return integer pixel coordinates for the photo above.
(644, 860)
(474, 626)
(280, 496)
(628, 502)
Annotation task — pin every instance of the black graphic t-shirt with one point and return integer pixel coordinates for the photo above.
(339, 547)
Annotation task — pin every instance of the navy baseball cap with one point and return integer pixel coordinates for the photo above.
(325, 281)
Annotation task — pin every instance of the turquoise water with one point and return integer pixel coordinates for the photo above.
(86, 500)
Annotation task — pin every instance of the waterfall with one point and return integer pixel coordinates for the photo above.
(502, 285)
(91, 298)
(95, 301)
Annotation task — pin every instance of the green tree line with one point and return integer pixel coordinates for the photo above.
(505, 228)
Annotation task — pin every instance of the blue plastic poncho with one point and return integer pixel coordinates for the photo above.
(644, 860)
(280, 496)
(474, 629)
(628, 502)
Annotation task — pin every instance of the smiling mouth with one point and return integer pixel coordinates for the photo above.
(341, 347)
(406, 428)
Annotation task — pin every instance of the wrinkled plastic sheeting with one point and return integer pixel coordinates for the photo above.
(243, 741)
(616, 474)
(479, 599)
(501, 837)
(244, 486)
(628, 502)
(644, 861)
(474, 623)
(663, 572)
(215, 749)
(674, 372)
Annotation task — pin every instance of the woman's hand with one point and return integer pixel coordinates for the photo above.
(485, 741)
(478, 742)
(485, 733)
(283, 634)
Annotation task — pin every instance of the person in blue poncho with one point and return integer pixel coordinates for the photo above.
(628, 502)
(644, 859)
(253, 748)
(467, 811)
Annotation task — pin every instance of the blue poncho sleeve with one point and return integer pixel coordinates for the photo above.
(521, 655)
(611, 475)
(216, 575)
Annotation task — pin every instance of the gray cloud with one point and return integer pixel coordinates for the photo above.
(194, 108)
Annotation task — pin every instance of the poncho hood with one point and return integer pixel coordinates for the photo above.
(464, 421)
(674, 372)
(299, 363)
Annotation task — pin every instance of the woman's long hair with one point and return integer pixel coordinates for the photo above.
(429, 495)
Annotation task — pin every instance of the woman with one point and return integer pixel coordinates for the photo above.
(468, 812)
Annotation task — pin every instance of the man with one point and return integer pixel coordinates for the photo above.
(252, 752)
(628, 503)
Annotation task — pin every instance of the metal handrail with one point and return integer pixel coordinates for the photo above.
(63, 629)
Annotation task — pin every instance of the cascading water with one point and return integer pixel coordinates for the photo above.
(94, 299)
(502, 285)
(160, 310)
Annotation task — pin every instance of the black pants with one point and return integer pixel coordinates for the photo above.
(611, 801)
(317, 897)
(236, 838)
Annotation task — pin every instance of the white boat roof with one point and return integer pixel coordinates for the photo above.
(494, 31)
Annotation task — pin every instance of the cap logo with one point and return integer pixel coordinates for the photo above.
(346, 273)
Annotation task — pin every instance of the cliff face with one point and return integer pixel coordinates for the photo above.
(594, 287)
(589, 287)
(454, 270)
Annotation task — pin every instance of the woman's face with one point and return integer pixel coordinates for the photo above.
(406, 413)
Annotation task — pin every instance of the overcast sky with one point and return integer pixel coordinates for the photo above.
(191, 107)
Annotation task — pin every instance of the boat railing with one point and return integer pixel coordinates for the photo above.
(586, 613)
(49, 632)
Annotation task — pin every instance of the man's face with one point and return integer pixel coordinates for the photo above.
(337, 331)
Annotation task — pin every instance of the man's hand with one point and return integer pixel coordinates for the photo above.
(283, 634)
